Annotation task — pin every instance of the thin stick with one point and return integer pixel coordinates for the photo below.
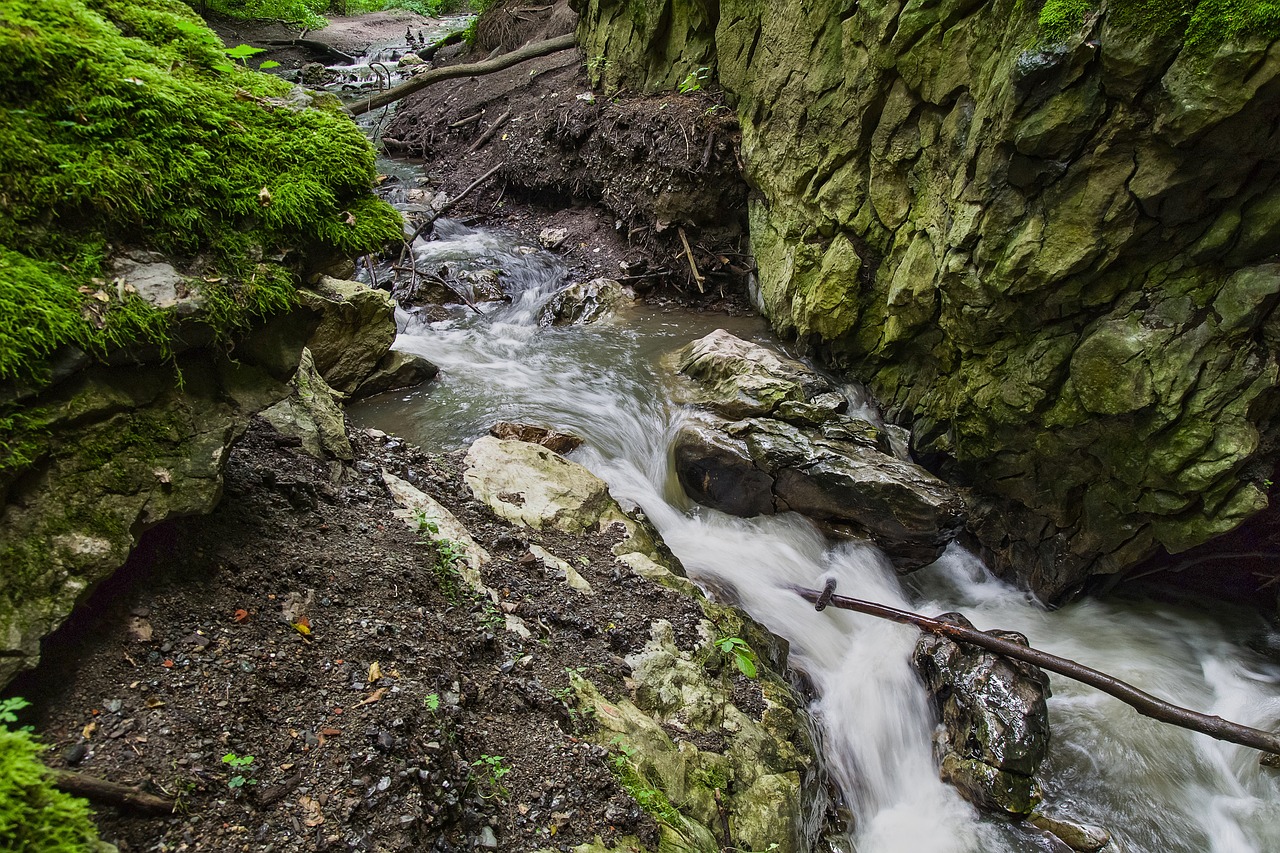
(1144, 703)
(489, 132)
(468, 120)
(111, 793)
(477, 182)
(474, 69)
(373, 276)
(688, 253)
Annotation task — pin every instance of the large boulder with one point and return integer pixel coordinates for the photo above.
(583, 302)
(794, 449)
(1048, 251)
(994, 716)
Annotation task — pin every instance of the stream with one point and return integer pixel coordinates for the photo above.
(1155, 787)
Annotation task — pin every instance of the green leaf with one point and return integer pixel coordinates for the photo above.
(268, 63)
(243, 51)
(225, 69)
(746, 666)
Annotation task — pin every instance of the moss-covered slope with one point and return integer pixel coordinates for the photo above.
(1047, 249)
(158, 201)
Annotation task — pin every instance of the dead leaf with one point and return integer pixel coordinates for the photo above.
(168, 663)
(372, 697)
(163, 477)
(102, 296)
(264, 197)
(375, 672)
(348, 219)
(154, 702)
(330, 731)
(240, 615)
(295, 606)
(87, 731)
(303, 626)
(314, 816)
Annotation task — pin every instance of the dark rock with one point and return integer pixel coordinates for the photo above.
(995, 720)
(552, 439)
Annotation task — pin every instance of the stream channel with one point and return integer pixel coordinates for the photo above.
(1155, 787)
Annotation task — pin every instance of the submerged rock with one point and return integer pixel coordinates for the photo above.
(396, 370)
(994, 730)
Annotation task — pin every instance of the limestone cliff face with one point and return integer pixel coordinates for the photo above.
(1055, 262)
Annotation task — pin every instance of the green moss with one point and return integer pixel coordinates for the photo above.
(125, 123)
(304, 12)
(1204, 24)
(33, 814)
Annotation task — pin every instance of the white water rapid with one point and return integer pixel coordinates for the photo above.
(1155, 787)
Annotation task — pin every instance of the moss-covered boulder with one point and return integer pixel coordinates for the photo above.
(1041, 232)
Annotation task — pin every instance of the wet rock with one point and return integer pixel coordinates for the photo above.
(396, 370)
(552, 439)
(579, 304)
(1078, 836)
(357, 328)
(994, 729)
(158, 283)
(761, 466)
(739, 379)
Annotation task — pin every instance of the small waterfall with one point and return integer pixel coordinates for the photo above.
(1156, 787)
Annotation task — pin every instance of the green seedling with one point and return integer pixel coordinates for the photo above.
(239, 765)
(492, 770)
(737, 649)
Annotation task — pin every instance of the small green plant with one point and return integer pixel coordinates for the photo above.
(692, 81)
(240, 766)
(743, 657)
(425, 523)
(432, 701)
(493, 769)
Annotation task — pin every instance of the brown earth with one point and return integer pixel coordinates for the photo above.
(193, 653)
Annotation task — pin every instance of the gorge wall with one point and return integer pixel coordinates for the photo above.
(1052, 255)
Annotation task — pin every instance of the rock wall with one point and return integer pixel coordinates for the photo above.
(1052, 260)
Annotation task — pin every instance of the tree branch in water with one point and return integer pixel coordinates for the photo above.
(1144, 703)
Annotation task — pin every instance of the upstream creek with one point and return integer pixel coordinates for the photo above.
(1155, 787)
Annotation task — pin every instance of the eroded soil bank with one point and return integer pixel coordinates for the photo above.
(465, 734)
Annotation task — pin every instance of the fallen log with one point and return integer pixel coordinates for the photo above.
(474, 69)
(311, 44)
(111, 793)
(1144, 703)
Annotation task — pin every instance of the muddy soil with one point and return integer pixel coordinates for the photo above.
(384, 706)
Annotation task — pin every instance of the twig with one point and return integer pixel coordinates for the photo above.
(477, 182)
(474, 69)
(468, 120)
(111, 793)
(455, 292)
(1144, 703)
(373, 276)
(489, 132)
(706, 152)
(688, 253)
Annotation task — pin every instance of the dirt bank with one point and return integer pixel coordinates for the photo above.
(461, 733)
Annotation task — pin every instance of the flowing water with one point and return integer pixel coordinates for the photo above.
(1157, 788)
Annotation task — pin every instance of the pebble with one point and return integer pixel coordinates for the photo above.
(487, 838)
